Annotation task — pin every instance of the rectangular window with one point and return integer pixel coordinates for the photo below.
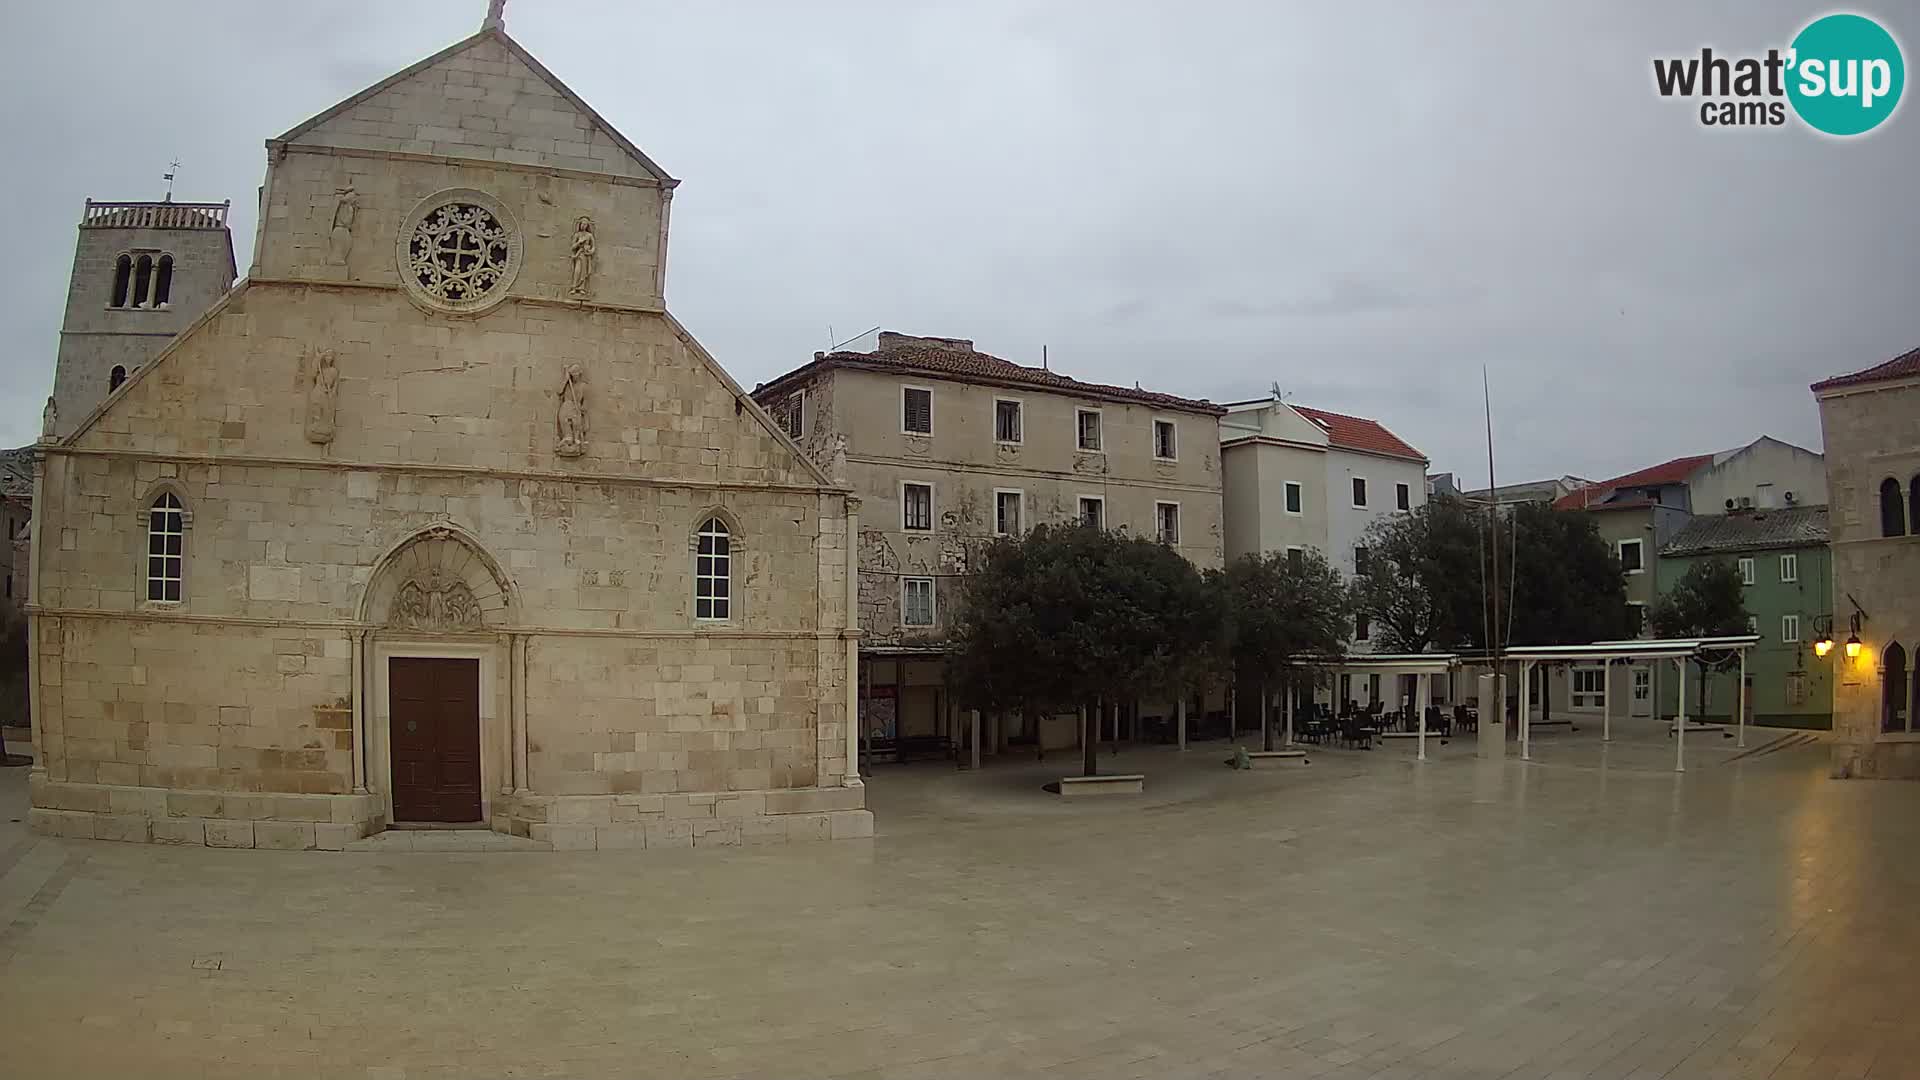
(1167, 517)
(916, 410)
(1087, 428)
(1402, 497)
(166, 537)
(1163, 440)
(1642, 684)
(1360, 560)
(1296, 558)
(1796, 688)
(1753, 624)
(1293, 497)
(794, 420)
(1093, 511)
(1006, 421)
(1747, 576)
(1790, 628)
(1589, 687)
(1631, 561)
(916, 507)
(1360, 629)
(916, 601)
(1637, 618)
(1789, 568)
(1006, 513)
(1359, 491)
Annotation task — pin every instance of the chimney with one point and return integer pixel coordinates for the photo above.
(890, 341)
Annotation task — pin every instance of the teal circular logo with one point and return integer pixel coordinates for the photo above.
(1845, 74)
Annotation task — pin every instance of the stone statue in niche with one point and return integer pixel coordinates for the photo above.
(582, 257)
(571, 423)
(435, 604)
(49, 418)
(322, 377)
(340, 236)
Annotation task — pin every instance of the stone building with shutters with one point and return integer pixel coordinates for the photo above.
(441, 517)
(1873, 487)
(949, 448)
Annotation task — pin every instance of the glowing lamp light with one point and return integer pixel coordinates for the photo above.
(1822, 647)
(1853, 646)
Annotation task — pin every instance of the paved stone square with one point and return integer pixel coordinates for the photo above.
(1589, 915)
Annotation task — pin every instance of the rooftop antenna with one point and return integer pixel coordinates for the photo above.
(1277, 395)
(1043, 359)
(836, 346)
(172, 168)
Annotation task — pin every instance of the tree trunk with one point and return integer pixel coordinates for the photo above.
(1090, 739)
(1266, 717)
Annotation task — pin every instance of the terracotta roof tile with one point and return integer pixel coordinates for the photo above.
(1667, 472)
(1359, 433)
(1751, 530)
(1906, 365)
(967, 365)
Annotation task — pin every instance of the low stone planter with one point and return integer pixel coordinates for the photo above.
(1079, 787)
(1267, 759)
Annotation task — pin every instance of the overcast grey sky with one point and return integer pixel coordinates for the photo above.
(1362, 202)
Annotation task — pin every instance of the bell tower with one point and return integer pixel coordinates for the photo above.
(142, 272)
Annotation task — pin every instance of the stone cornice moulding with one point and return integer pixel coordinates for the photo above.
(1003, 469)
(389, 633)
(512, 297)
(275, 146)
(480, 471)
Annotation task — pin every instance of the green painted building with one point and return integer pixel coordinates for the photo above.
(1783, 557)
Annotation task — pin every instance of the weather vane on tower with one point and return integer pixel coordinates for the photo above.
(172, 167)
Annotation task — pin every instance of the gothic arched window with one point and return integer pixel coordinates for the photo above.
(1893, 690)
(122, 279)
(1893, 518)
(713, 571)
(163, 281)
(142, 281)
(166, 545)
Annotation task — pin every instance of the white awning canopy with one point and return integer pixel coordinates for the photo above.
(1386, 663)
(1643, 649)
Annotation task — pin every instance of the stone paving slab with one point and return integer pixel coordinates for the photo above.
(1590, 915)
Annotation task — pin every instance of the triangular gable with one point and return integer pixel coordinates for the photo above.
(367, 119)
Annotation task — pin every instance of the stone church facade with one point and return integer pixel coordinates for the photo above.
(440, 516)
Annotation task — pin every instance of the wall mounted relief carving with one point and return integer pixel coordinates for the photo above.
(1090, 463)
(1006, 451)
(346, 206)
(581, 257)
(570, 424)
(321, 376)
(435, 603)
(918, 445)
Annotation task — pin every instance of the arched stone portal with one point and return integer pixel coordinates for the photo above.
(439, 668)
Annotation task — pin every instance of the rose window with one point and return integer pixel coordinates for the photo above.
(458, 253)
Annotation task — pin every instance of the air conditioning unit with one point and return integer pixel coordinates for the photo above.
(1729, 504)
(1746, 501)
(1789, 496)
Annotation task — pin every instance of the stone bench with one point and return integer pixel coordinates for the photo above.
(1117, 784)
(1270, 758)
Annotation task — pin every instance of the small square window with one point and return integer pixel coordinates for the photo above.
(916, 601)
(1293, 497)
(1747, 575)
(1789, 568)
(1753, 624)
(1630, 557)
(916, 507)
(1296, 558)
(1006, 421)
(1163, 440)
(1087, 429)
(1402, 497)
(1006, 513)
(916, 410)
(1589, 687)
(1359, 491)
(1167, 516)
(1093, 512)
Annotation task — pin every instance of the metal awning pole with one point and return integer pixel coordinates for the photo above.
(1741, 742)
(1680, 722)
